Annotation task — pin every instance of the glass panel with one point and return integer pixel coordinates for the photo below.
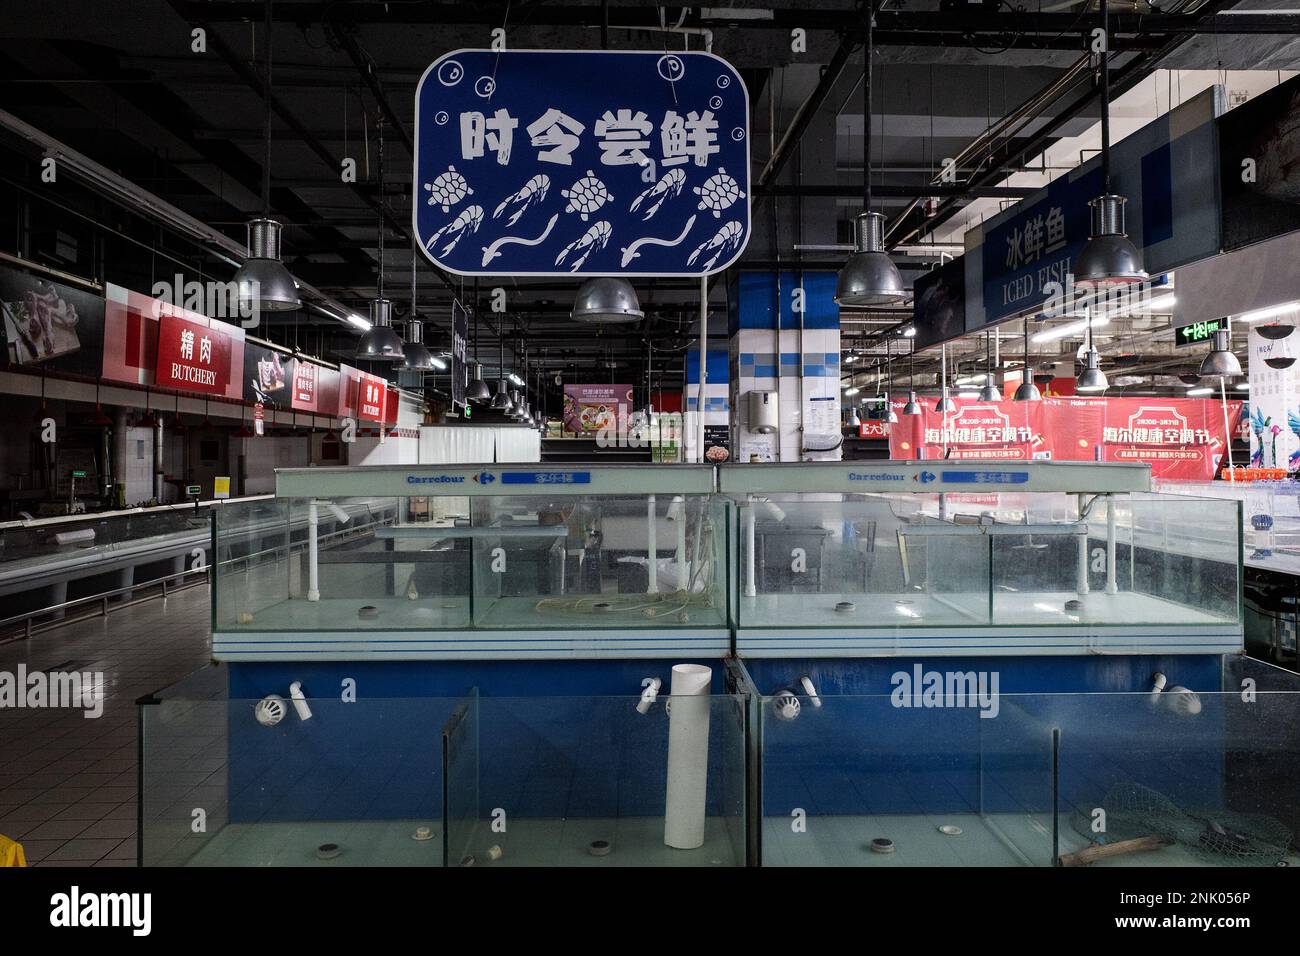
(460, 746)
(838, 561)
(572, 781)
(1178, 779)
(863, 781)
(563, 563)
(247, 783)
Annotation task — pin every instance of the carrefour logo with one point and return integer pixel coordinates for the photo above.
(485, 477)
(874, 476)
(434, 479)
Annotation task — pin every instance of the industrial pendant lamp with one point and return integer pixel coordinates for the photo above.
(606, 300)
(1092, 379)
(1221, 361)
(380, 342)
(913, 407)
(1110, 258)
(1027, 391)
(989, 393)
(853, 420)
(891, 416)
(945, 403)
(262, 283)
(869, 277)
(415, 356)
(477, 390)
(501, 400)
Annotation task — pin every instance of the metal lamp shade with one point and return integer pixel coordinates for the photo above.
(913, 407)
(477, 390)
(501, 400)
(1109, 258)
(1028, 392)
(853, 420)
(416, 357)
(263, 282)
(380, 343)
(891, 416)
(606, 300)
(869, 277)
(1221, 362)
(990, 393)
(1093, 379)
(945, 403)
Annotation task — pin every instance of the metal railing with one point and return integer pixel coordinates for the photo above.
(159, 586)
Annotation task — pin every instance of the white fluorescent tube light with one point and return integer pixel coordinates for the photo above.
(1268, 313)
(852, 391)
(1244, 386)
(909, 332)
(1197, 392)
(359, 322)
(516, 379)
(1070, 328)
(970, 395)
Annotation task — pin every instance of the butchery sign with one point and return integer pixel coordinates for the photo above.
(542, 163)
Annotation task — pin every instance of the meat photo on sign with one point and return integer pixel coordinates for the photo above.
(39, 324)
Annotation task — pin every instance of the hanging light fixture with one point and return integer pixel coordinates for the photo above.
(989, 393)
(869, 277)
(1221, 361)
(501, 400)
(99, 419)
(1092, 379)
(606, 300)
(147, 420)
(380, 343)
(415, 356)
(853, 420)
(913, 407)
(1109, 258)
(477, 390)
(891, 416)
(945, 403)
(263, 283)
(1027, 391)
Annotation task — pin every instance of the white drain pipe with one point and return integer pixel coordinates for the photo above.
(1083, 550)
(1111, 586)
(688, 756)
(652, 546)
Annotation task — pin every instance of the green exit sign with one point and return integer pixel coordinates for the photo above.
(78, 474)
(193, 490)
(1199, 332)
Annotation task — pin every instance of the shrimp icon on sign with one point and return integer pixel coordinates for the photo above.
(528, 195)
(470, 218)
(669, 186)
(592, 241)
(728, 237)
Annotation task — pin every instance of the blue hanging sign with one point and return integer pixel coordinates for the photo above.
(544, 163)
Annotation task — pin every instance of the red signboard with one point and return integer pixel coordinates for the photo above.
(1181, 438)
(192, 357)
(136, 345)
(304, 396)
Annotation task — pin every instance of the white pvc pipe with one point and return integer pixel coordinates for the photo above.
(652, 547)
(751, 577)
(299, 701)
(1083, 554)
(688, 756)
(313, 556)
(683, 578)
(1111, 586)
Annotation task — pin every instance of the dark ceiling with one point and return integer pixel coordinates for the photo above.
(119, 82)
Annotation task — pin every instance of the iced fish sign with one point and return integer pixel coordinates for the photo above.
(534, 162)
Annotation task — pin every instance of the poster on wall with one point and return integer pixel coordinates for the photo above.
(717, 444)
(1181, 438)
(1274, 397)
(589, 409)
(51, 324)
(554, 162)
(1258, 155)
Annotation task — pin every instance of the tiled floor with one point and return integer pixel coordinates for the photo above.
(68, 783)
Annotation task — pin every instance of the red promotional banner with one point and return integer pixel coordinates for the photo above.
(192, 357)
(362, 396)
(1181, 438)
(304, 397)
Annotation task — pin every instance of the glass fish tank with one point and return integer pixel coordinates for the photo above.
(1028, 557)
(475, 562)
